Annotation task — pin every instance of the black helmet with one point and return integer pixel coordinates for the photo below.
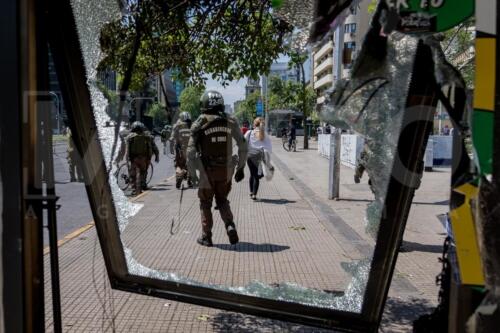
(211, 101)
(185, 117)
(137, 126)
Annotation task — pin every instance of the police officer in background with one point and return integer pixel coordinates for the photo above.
(139, 152)
(210, 151)
(180, 138)
(74, 160)
(165, 134)
(155, 151)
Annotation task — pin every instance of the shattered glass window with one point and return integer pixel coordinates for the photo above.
(151, 61)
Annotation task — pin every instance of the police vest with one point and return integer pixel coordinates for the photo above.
(139, 145)
(215, 142)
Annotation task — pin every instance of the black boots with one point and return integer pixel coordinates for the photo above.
(231, 233)
(205, 240)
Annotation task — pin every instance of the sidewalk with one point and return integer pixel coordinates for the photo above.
(286, 236)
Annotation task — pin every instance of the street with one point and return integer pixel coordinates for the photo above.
(74, 211)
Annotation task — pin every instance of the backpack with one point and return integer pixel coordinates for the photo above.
(139, 145)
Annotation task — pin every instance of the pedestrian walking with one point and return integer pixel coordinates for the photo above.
(210, 151)
(139, 152)
(293, 135)
(259, 152)
(74, 160)
(180, 139)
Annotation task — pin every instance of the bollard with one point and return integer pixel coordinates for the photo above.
(334, 165)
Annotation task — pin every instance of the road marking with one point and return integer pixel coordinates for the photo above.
(70, 236)
(79, 231)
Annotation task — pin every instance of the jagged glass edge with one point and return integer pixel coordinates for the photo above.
(90, 16)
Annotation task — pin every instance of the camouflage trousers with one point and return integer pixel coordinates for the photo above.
(215, 182)
(180, 163)
(138, 172)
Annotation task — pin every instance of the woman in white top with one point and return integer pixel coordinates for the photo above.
(259, 150)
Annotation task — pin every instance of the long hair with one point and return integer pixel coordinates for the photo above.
(259, 123)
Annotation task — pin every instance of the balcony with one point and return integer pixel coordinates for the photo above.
(325, 80)
(327, 64)
(328, 47)
(320, 100)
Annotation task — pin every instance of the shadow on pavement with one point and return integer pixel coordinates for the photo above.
(438, 203)
(276, 201)
(250, 247)
(399, 314)
(235, 322)
(412, 246)
(158, 189)
(355, 200)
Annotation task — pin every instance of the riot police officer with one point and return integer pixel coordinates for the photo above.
(180, 139)
(165, 136)
(210, 152)
(73, 159)
(139, 152)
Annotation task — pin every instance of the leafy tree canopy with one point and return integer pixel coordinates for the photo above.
(247, 109)
(458, 46)
(190, 101)
(290, 95)
(157, 112)
(229, 39)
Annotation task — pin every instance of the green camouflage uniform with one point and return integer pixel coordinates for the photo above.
(210, 152)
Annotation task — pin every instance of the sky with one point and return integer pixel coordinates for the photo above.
(236, 89)
(233, 92)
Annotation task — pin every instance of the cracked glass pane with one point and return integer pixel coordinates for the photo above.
(152, 61)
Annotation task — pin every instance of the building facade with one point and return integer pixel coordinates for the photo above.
(281, 70)
(251, 87)
(332, 59)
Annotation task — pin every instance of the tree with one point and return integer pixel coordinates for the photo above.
(291, 95)
(190, 101)
(228, 39)
(158, 113)
(458, 47)
(297, 60)
(247, 109)
(112, 98)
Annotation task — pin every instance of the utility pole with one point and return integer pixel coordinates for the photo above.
(335, 136)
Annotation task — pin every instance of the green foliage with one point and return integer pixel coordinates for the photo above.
(190, 101)
(458, 46)
(158, 113)
(112, 98)
(247, 109)
(228, 39)
(290, 95)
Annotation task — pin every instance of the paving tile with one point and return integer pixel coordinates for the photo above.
(288, 235)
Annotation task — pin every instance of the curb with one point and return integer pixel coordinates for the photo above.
(74, 234)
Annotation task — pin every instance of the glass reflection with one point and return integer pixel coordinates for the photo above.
(294, 244)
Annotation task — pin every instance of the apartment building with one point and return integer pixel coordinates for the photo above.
(333, 58)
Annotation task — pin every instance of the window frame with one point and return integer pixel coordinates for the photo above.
(63, 37)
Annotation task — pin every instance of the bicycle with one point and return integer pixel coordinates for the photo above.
(286, 145)
(123, 178)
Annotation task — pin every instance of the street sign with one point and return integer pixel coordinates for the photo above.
(260, 108)
(417, 16)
